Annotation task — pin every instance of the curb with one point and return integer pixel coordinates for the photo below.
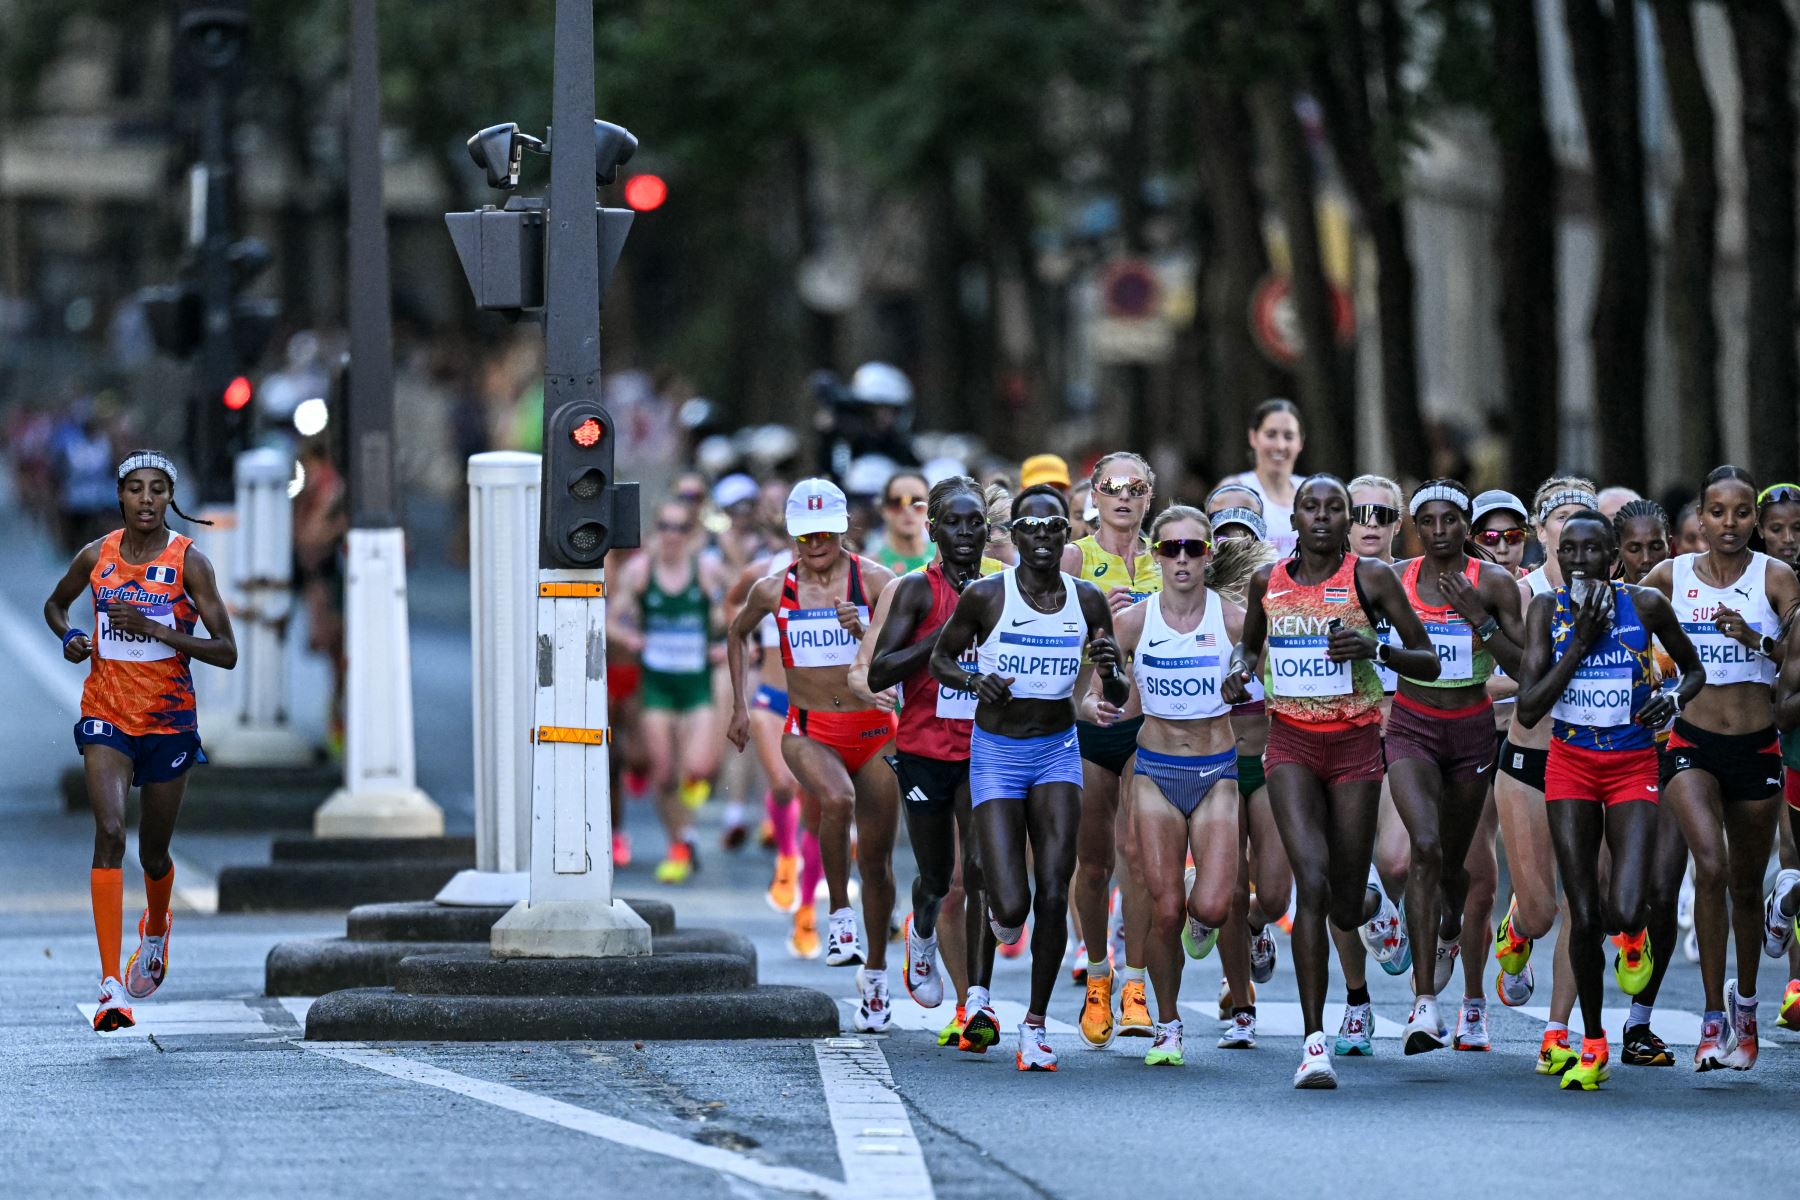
(442, 975)
(324, 886)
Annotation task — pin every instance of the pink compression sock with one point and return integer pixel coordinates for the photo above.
(785, 817)
(812, 867)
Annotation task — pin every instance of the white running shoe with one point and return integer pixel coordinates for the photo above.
(1424, 1031)
(1778, 929)
(1384, 936)
(149, 963)
(1315, 1069)
(1034, 1052)
(842, 946)
(1240, 1034)
(1356, 1032)
(1743, 1030)
(876, 1011)
(1447, 954)
(1516, 989)
(1007, 935)
(114, 1012)
(923, 982)
(1472, 1025)
(1262, 955)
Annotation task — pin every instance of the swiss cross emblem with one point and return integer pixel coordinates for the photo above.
(1693, 593)
(815, 503)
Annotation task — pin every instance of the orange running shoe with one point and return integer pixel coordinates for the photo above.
(1017, 948)
(1634, 962)
(1554, 1055)
(1134, 1013)
(621, 849)
(803, 940)
(784, 890)
(1097, 1028)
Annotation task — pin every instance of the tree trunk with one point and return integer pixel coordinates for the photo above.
(1764, 36)
(1371, 156)
(1525, 245)
(1242, 377)
(1603, 49)
(1330, 431)
(1693, 234)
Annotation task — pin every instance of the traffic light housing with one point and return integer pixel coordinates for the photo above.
(586, 512)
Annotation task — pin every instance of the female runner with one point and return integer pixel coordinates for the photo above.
(821, 607)
(1589, 665)
(1117, 558)
(1440, 735)
(1311, 622)
(1245, 944)
(1778, 527)
(1524, 824)
(1722, 771)
(1038, 631)
(137, 728)
(1184, 797)
(933, 762)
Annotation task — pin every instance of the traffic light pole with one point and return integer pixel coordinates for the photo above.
(571, 911)
(380, 797)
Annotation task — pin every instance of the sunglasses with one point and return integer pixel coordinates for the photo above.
(1777, 493)
(1379, 515)
(1041, 524)
(1495, 537)
(814, 539)
(896, 503)
(671, 527)
(1176, 547)
(1123, 485)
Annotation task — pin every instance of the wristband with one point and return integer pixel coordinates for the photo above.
(971, 680)
(1766, 647)
(1488, 628)
(72, 635)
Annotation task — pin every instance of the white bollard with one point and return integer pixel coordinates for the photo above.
(503, 540)
(261, 569)
(380, 797)
(572, 912)
(216, 692)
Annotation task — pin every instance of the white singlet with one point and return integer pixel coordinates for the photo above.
(1697, 602)
(1040, 652)
(1179, 674)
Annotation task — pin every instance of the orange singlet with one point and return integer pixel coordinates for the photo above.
(139, 684)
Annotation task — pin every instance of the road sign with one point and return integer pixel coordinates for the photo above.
(1275, 324)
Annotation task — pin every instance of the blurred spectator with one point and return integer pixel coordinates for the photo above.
(82, 463)
(321, 519)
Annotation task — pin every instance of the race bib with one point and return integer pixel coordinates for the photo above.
(675, 651)
(1727, 660)
(1599, 697)
(954, 704)
(1298, 667)
(817, 640)
(121, 646)
(1455, 646)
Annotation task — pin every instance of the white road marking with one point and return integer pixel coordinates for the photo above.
(1675, 1026)
(1274, 1018)
(875, 1139)
(297, 1008)
(581, 1120)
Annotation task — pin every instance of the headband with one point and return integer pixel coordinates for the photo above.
(1245, 488)
(1249, 518)
(151, 459)
(1440, 491)
(1556, 500)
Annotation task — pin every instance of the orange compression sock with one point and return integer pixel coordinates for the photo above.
(108, 887)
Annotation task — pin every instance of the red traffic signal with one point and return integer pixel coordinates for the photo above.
(587, 435)
(238, 393)
(646, 193)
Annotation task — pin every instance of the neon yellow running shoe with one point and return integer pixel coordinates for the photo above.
(1633, 964)
(696, 792)
(1511, 951)
(1554, 1056)
(948, 1035)
(1165, 1051)
(1594, 1069)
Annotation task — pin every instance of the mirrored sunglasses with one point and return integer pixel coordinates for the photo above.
(1040, 524)
(1494, 537)
(1378, 515)
(1123, 485)
(1176, 547)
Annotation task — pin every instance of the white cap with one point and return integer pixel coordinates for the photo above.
(880, 383)
(817, 506)
(941, 468)
(1498, 501)
(736, 488)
